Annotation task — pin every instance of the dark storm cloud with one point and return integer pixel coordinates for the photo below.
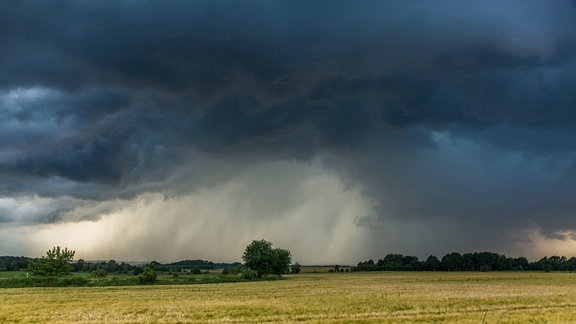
(103, 159)
(211, 47)
(460, 110)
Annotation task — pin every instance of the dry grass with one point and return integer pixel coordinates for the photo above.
(341, 297)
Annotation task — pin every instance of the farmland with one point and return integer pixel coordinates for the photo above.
(310, 297)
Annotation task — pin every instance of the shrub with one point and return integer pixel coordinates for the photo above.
(232, 271)
(148, 275)
(250, 274)
(99, 273)
(119, 281)
(272, 277)
(296, 268)
(72, 282)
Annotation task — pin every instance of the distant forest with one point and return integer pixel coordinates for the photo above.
(477, 261)
(13, 263)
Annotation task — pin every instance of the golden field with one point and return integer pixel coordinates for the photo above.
(315, 297)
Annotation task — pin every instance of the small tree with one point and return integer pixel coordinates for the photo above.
(281, 260)
(55, 263)
(261, 258)
(148, 275)
(296, 268)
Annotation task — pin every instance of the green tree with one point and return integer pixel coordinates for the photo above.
(55, 263)
(296, 268)
(432, 263)
(148, 275)
(281, 260)
(260, 257)
(452, 262)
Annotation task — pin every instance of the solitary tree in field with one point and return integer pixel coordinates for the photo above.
(260, 257)
(148, 275)
(55, 263)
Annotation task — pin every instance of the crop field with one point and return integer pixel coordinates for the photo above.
(312, 297)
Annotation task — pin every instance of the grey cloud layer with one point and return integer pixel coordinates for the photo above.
(459, 110)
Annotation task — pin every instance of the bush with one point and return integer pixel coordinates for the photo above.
(250, 274)
(148, 275)
(99, 273)
(45, 282)
(232, 271)
(72, 282)
(272, 277)
(296, 268)
(119, 281)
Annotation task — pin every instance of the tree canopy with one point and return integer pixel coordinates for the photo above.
(260, 257)
(477, 261)
(55, 263)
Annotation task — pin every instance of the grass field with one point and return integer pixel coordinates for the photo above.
(315, 297)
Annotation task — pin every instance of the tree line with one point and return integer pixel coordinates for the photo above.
(259, 257)
(55, 268)
(477, 261)
(21, 263)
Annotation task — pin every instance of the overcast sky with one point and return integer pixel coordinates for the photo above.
(340, 130)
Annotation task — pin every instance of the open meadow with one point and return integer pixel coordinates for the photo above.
(490, 297)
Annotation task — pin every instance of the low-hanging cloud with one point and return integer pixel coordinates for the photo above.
(454, 115)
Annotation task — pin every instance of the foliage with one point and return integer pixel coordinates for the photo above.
(192, 264)
(111, 267)
(296, 268)
(232, 271)
(432, 263)
(69, 281)
(13, 263)
(99, 273)
(477, 261)
(55, 263)
(250, 274)
(262, 258)
(257, 257)
(281, 260)
(148, 275)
